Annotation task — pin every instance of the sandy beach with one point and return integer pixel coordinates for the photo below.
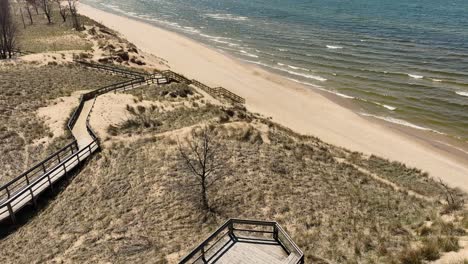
(288, 103)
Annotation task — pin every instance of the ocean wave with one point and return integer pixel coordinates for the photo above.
(323, 89)
(308, 76)
(333, 47)
(227, 17)
(297, 68)
(436, 80)
(283, 49)
(245, 53)
(343, 95)
(191, 30)
(213, 37)
(401, 122)
(414, 76)
(308, 84)
(280, 64)
(462, 93)
(389, 107)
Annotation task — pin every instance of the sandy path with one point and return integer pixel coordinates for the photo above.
(80, 131)
(287, 103)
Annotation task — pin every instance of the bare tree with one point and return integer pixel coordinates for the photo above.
(74, 15)
(62, 10)
(34, 4)
(204, 159)
(7, 30)
(27, 6)
(22, 17)
(47, 8)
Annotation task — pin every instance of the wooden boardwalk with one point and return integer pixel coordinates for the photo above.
(246, 242)
(26, 188)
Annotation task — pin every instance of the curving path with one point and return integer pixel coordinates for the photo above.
(25, 189)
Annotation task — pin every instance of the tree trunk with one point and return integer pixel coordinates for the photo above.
(205, 204)
(63, 14)
(22, 18)
(29, 14)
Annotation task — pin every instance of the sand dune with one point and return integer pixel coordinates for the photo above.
(288, 103)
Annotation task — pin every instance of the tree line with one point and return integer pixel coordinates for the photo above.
(66, 9)
(26, 8)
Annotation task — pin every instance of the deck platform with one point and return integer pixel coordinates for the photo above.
(246, 242)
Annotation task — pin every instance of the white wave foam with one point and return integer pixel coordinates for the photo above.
(283, 49)
(308, 76)
(322, 89)
(343, 95)
(462, 93)
(308, 84)
(227, 17)
(436, 80)
(333, 47)
(414, 76)
(297, 68)
(245, 53)
(389, 107)
(280, 64)
(401, 122)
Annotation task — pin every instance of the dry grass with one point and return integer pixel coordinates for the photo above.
(129, 204)
(44, 37)
(141, 213)
(23, 89)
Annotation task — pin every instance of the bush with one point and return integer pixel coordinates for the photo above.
(447, 244)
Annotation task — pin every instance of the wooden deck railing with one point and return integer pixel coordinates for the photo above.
(239, 230)
(116, 70)
(215, 92)
(25, 188)
(37, 170)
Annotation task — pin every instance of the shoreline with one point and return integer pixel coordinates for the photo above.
(305, 110)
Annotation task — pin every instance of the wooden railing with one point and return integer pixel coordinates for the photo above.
(119, 71)
(215, 92)
(238, 230)
(25, 188)
(37, 170)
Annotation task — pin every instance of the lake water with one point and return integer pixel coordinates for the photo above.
(401, 61)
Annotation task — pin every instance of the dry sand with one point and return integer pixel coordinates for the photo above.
(288, 103)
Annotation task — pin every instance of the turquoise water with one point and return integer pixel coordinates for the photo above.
(401, 61)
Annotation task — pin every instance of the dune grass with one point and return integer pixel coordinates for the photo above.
(44, 37)
(23, 89)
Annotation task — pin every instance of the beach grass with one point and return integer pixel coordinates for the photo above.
(24, 88)
(44, 37)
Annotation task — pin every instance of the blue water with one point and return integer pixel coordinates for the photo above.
(401, 61)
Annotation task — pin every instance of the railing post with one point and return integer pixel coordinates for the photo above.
(32, 197)
(231, 231)
(275, 233)
(203, 255)
(50, 182)
(8, 192)
(12, 214)
(44, 168)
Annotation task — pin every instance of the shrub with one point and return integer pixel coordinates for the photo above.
(447, 244)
